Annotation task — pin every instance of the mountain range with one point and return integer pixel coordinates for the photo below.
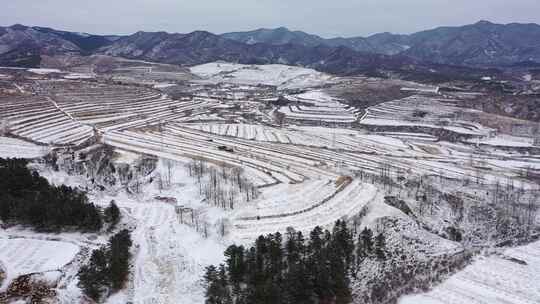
(483, 44)
(384, 43)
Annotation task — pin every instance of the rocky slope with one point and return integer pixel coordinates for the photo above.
(23, 46)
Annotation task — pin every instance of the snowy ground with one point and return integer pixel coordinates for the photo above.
(27, 256)
(508, 278)
(296, 167)
(169, 258)
(79, 76)
(274, 215)
(424, 111)
(44, 71)
(11, 147)
(318, 107)
(282, 76)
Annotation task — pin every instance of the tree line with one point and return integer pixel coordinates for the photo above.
(27, 198)
(293, 270)
(108, 268)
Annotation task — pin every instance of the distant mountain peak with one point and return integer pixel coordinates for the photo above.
(484, 22)
(282, 29)
(201, 33)
(276, 36)
(19, 27)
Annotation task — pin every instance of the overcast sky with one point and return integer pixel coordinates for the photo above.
(327, 18)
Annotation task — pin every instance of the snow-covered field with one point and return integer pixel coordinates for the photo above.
(422, 111)
(282, 76)
(503, 140)
(28, 256)
(12, 147)
(274, 213)
(511, 277)
(40, 119)
(268, 162)
(317, 107)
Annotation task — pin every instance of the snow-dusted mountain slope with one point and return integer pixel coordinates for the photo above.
(511, 277)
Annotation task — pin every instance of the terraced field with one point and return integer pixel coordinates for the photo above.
(39, 119)
(111, 107)
(294, 159)
(423, 111)
(318, 108)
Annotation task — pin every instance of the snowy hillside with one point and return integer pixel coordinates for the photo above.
(510, 277)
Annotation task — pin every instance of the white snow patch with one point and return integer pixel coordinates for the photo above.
(26, 256)
(12, 147)
(79, 76)
(44, 71)
(164, 85)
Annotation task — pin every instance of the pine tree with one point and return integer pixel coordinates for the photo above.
(340, 256)
(119, 255)
(275, 268)
(380, 246)
(112, 215)
(363, 248)
(275, 256)
(252, 275)
(213, 295)
(319, 263)
(343, 241)
(93, 277)
(236, 266)
(297, 280)
(223, 283)
(366, 237)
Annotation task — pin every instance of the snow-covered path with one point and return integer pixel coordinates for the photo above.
(169, 258)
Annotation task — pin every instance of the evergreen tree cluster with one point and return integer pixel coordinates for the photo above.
(292, 271)
(108, 268)
(27, 198)
(369, 246)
